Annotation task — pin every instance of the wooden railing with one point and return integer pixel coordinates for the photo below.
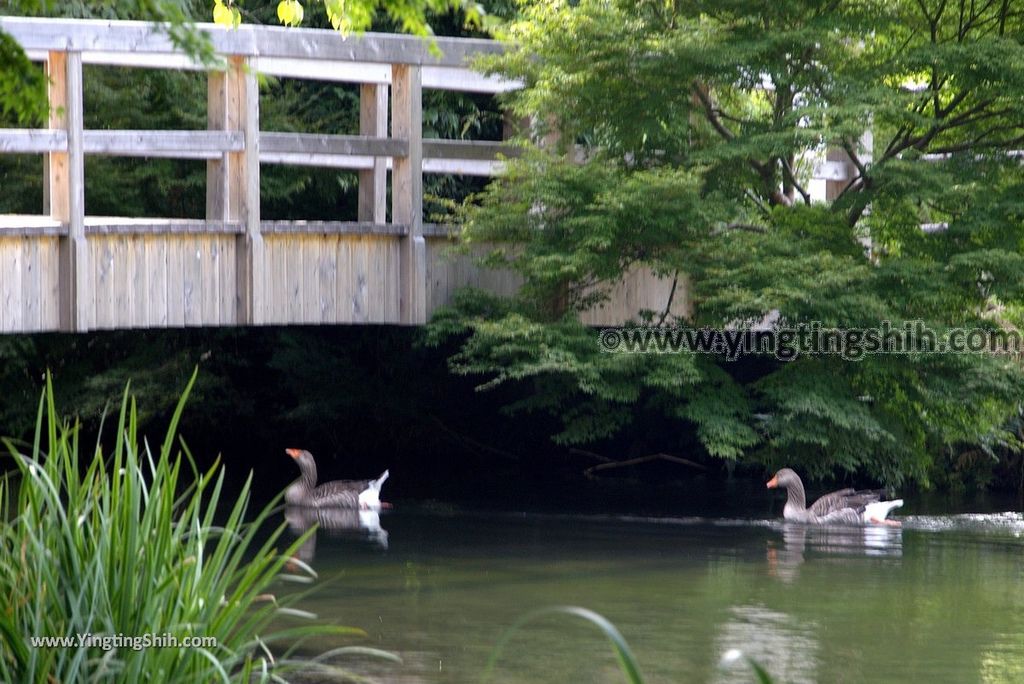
(65, 270)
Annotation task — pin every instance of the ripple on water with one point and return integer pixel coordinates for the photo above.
(1006, 522)
(998, 523)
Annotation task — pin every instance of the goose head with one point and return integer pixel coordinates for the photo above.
(785, 478)
(306, 464)
(796, 500)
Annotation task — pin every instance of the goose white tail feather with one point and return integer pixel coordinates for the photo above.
(880, 509)
(379, 482)
(369, 498)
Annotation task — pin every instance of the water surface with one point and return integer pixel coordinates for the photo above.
(939, 600)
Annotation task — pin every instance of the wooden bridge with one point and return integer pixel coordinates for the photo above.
(65, 270)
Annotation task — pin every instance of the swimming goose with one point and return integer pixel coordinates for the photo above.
(843, 507)
(363, 494)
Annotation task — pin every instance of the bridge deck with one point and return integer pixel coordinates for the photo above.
(64, 270)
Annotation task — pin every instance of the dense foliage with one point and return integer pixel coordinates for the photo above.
(698, 124)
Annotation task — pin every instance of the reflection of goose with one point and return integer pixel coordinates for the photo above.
(784, 563)
(853, 541)
(363, 524)
(803, 542)
(844, 507)
(339, 493)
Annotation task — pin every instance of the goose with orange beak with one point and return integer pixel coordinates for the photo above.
(362, 494)
(843, 507)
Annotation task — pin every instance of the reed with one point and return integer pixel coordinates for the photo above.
(135, 543)
(628, 663)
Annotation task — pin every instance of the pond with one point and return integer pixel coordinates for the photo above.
(939, 600)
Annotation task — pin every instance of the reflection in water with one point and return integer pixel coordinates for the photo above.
(802, 540)
(986, 523)
(1002, 661)
(337, 522)
(784, 646)
(938, 601)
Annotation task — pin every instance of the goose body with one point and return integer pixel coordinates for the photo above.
(842, 507)
(360, 494)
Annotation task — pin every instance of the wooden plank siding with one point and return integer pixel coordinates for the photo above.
(331, 278)
(28, 283)
(151, 280)
(447, 271)
(641, 290)
(154, 281)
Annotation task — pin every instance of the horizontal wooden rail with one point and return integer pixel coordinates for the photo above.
(175, 144)
(32, 141)
(20, 225)
(333, 145)
(276, 51)
(474, 157)
(106, 225)
(454, 78)
(109, 38)
(12, 225)
(362, 228)
(474, 150)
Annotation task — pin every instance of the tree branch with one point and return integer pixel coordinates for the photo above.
(746, 227)
(608, 463)
(710, 111)
(787, 168)
(671, 296)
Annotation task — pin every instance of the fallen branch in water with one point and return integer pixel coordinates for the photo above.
(609, 463)
(468, 441)
(591, 454)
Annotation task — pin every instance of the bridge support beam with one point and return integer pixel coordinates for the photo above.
(407, 191)
(233, 182)
(373, 183)
(65, 190)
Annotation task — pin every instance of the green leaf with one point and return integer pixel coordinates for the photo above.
(624, 655)
(223, 15)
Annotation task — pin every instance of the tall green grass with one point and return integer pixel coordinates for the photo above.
(129, 543)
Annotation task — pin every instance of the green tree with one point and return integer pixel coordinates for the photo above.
(698, 122)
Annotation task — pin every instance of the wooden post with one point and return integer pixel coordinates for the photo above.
(65, 195)
(373, 183)
(407, 191)
(234, 192)
(217, 169)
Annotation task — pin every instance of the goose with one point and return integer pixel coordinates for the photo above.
(362, 494)
(843, 507)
